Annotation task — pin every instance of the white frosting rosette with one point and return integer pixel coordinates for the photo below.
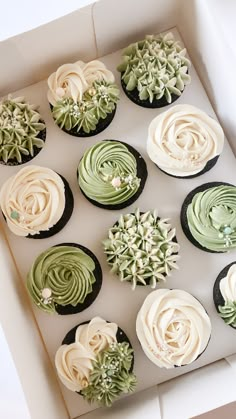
(67, 81)
(72, 80)
(183, 139)
(228, 285)
(96, 335)
(74, 364)
(97, 71)
(172, 327)
(33, 200)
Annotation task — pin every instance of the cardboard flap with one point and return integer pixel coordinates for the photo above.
(32, 56)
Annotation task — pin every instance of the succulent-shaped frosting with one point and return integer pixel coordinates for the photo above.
(61, 275)
(156, 66)
(141, 248)
(96, 364)
(97, 102)
(108, 173)
(212, 218)
(227, 287)
(20, 125)
(111, 375)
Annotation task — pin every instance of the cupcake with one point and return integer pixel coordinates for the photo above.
(96, 360)
(173, 328)
(36, 202)
(141, 248)
(154, 72)
(184, 142)
(83, 97)
(64, 279)
(22, 131)
(208, 217)
(112, 174)
(224, 294)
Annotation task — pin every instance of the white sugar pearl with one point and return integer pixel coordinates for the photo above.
(46, 293)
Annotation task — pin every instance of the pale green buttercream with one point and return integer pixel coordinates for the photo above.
(97, 102)
(141, 248)
(212, 218)
(107, 173)
(20, 125)
(66, 271)
(156, 66)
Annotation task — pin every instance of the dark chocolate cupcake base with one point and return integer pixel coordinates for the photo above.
(96, 287)
(217, 296)
(210, 164)
(142, 174)
(26, 159)
(183, 214)
(133, 95)
(101, 126)
(69, 206)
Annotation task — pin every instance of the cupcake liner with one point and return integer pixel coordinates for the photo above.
(121, 337)
(133, 95)
(101, 126)
(69, 206)
(183, 213)
(96, 287)
(26, 159)
(210, 164)
(142, 173)
(217, 296)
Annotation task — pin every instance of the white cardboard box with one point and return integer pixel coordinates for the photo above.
(88, 33)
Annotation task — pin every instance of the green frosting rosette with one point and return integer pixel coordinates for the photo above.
(157, 67)
(141, 248)
(211, 218)
(107, 173)
(62, 275)
(22, 132)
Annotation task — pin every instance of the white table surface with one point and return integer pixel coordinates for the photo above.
(89, 226)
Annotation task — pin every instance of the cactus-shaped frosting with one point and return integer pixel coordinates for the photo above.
(141, 249)
(20, 127)
(111, 375)
(97, 102)
(156, 66)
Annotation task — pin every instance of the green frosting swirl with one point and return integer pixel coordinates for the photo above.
(107, 173)
(212, 218)
(140, 248)
(20, 126)
(111, 375)
(228, 313)
(66, 271)
(97, 102)
(156, 66)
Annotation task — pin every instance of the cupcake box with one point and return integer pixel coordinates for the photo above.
(89, 226)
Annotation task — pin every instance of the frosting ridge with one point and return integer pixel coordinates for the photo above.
(107, 173)
(66, 271)
(183, 139)
(172, 327)
(33, 200)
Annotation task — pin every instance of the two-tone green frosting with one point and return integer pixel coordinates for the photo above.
(61, 275)
(107, 173)
(141, 249)
(20, 126)
(211, 218)
(228, 313)
(111, 375)
(97, 102)
(156, 66)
